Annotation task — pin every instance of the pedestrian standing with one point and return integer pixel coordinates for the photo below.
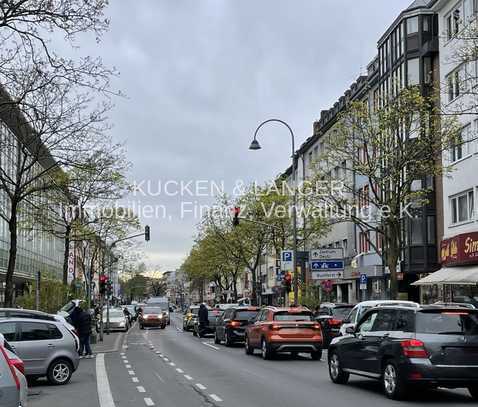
(84, 331)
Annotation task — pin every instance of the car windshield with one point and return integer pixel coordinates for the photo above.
(152, 310)
(245, 315)
(114, 313)
(287, 316)
(163, 305)
(340, 312)
(447, 322)
(194, 311)
(215, 313)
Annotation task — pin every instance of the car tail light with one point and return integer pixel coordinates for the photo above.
(233, 324)
(317, 326)
(275, 327)
(11, 365)
(415, 376)
(335, 322)
(18, 363)
(413, 348)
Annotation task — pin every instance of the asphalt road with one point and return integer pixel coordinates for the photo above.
(172, 368)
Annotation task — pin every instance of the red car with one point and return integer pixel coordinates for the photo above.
(276, 330)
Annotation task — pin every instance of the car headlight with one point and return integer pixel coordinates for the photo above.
(160, 316)
(121, 324)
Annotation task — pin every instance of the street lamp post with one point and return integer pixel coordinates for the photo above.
(256, 146)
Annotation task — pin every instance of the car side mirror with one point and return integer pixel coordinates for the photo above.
(350, 330)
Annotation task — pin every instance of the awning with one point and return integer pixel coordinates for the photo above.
(467, 275)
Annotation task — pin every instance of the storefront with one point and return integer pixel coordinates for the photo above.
(457, 280)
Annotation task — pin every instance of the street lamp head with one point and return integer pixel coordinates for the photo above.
(255, 145)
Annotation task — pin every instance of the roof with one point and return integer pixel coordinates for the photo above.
(417, 4)
(451, 276)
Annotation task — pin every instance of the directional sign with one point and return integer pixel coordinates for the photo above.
(333, 265)
(287, 260)
(363, 281)
(327, 275)
(326, 254)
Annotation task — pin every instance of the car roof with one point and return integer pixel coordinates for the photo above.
(373, 303)
(39, 321)
(288, 309)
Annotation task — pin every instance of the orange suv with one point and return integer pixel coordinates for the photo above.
(276, 330)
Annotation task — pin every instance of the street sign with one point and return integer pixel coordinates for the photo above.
(326, 254)
(287, 260)
(327, 265)
(327, 275)
(363, 281)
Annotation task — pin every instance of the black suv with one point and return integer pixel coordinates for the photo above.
(331, 317)
(429, 346)
(230, 327)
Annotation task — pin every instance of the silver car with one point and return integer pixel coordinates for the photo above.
(47, 348)
(118, 321)
(13, 384)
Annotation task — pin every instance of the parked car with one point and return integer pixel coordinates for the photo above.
(33, 314)
(330, 318)
(231, 326)
(210, 328)
(152, 317)
(405, 347)
(47, 348)
(13, 384)
(291, 330)
(118, 320)
(359, 309)
(454, 304)
(190, 317)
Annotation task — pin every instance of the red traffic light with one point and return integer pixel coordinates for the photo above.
(103, 278)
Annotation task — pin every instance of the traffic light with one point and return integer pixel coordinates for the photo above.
(109, 287)
(288, 282)
(147, 233)
(102, 287)
(236, 212)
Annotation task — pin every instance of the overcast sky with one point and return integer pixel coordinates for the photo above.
(200, 75)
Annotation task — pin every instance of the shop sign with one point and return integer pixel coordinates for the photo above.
(460, 250)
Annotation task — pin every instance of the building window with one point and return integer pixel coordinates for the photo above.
(413, 71)
(463, 146)
(337, 245)
(426, 24)
(412, 25)
(462, 207)
(453, 85)
(379, 242)
(453, 23)
(344, 244)
(364, 242)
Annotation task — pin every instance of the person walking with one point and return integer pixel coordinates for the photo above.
(84, 331)
(203, 319)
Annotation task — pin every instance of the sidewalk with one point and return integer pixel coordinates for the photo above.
(111, 343)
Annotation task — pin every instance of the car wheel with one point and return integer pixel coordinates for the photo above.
(337, 375)
(248, 348)
(266, 350)
(60, 372)
(393, 385)
(316, 355)
(217, 341)
(473, 392)
(228, 341)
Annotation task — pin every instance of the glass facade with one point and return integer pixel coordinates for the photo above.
(37, 249)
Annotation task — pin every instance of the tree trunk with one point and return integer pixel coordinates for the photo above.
(66, 255)
(392, 266)
(12, 257)
(234, 288)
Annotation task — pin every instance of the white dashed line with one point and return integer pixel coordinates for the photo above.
(201, 386)
(148, 401)
(166, 359)
(128, 366)
(131, 372)
(211, 346)
(188, 377)
(122, 353)
(141, 389)
(172, 364)
(125, 361)
(215, 398)
(179, 370)
(135, 380)
(158, 352)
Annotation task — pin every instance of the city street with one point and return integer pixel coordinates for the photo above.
(172, 368)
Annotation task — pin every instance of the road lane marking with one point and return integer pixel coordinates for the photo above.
(148, 401)
(131, 372)
(166, 359)
(172, 364)
(211, 346)
(141, 389)
(159, 377)
(105, 397)
(215, 398)
(201, 386)
(135, 380)
(122, 353)
(179, 370)
(128, 366)
(188, 377)
(158, 352)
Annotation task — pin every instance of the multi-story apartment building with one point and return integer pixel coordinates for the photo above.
(458, 79)
(37, 250)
